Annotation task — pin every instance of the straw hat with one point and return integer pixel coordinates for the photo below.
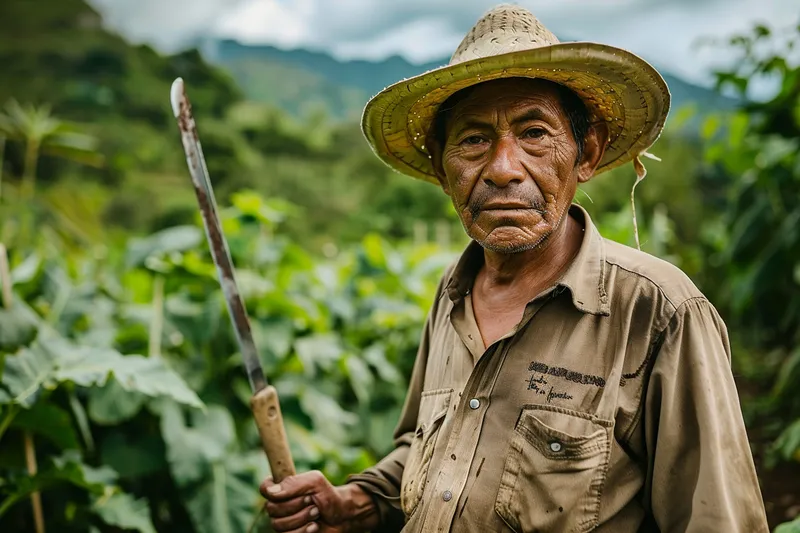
(617, 87)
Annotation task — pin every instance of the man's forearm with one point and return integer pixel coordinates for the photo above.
(361, 513)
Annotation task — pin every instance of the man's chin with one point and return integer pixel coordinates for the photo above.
(511, 241)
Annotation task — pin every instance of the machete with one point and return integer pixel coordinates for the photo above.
(264, 402)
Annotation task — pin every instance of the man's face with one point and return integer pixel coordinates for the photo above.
(510, 163)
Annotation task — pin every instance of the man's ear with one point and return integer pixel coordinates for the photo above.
(593, 150)
(435, 151)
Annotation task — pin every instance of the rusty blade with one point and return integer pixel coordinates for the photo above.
(182, 109)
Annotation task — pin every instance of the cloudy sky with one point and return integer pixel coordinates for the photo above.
(665, 32)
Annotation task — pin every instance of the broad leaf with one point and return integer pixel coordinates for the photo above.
(49, 421)
(789, 527)
(227, 502)
(17, 329)
(113, 404)
(221, 487)
(192, 448)
(26, 373)
(124, 511)
(49, 363)
(132, 454)
(176, 239)
(330, 420)
(318, 351)
(361, 378)
(67, 468)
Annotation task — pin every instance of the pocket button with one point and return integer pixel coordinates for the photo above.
(474, 403)
(555, 446)
(447, 495)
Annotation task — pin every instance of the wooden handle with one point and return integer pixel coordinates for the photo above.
(267, 412)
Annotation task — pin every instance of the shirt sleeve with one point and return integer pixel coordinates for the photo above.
(701, 474)
(383, 481)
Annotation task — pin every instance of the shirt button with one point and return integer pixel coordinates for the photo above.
(447, 495)
(555, 446)
(474, 403)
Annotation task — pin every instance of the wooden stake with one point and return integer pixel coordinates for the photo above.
(30, 450)
(36, 497)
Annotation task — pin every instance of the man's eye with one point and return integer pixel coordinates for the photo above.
(535, 133)
(473, 140)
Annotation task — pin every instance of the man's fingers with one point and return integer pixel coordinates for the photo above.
(293, 486)
(298, 521)
(288, 507)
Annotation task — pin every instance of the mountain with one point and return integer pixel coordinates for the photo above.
(298, 79)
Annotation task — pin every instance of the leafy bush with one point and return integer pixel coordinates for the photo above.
(336, 337)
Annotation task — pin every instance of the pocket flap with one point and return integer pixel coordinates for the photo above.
(433, 406)
(577, 437)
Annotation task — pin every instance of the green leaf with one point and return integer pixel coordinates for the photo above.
(18, 328)
(175, 239)
(132, 454)
(374, 250)
(26, 374)
(53, 361)
(319, 351)
(329, 418)
(112, 404)
(49, 421)
(789, 527)
(226, 503)
(375, 355)
(72, 469)
(788, 443)
(191, 448)
(220, 486)
(361, 378)
(145, 375)
(27, 269)
(124, 511)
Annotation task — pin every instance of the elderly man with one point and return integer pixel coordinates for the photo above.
(564, 383)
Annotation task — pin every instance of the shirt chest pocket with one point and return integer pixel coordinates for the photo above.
(553, 478)
(432, 411)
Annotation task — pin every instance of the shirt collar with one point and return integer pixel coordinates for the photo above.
(585, 276)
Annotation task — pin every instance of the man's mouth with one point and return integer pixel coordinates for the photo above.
(505, 205)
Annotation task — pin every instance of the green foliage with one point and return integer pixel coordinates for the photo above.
(336, 337)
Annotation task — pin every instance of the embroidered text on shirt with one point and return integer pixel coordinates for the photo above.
(569, 375)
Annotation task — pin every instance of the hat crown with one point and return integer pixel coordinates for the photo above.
(503, 29)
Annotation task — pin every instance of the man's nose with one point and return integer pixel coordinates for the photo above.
(505, 165)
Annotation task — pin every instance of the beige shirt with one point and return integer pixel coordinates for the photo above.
(610, 407)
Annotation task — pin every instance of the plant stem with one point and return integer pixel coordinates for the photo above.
(36, 497)
(157, 323)
(12, 412)
(31, 161)
(5, 276)
(82, 420)
(8, 502)
(2, 158)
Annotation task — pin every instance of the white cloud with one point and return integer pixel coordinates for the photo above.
(663, 32)
(286, 26)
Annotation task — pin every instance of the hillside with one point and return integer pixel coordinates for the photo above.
(289, 78)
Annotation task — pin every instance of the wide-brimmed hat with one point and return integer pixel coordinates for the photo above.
(617, 87)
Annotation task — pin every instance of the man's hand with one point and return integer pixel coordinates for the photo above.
(308, 503)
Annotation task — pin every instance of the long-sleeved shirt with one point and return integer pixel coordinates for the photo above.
(610, 407)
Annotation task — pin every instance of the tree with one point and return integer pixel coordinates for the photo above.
(41, 132)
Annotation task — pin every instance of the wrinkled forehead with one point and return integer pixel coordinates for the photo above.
(504, 95)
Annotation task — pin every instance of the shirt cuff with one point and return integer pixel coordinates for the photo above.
(390, 514)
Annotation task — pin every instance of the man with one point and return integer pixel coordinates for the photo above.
(564, 383)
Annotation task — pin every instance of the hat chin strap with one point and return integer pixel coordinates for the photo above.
(641, 172)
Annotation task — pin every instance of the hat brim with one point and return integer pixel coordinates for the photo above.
(618, 87)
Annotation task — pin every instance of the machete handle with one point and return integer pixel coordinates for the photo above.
(267, 412)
